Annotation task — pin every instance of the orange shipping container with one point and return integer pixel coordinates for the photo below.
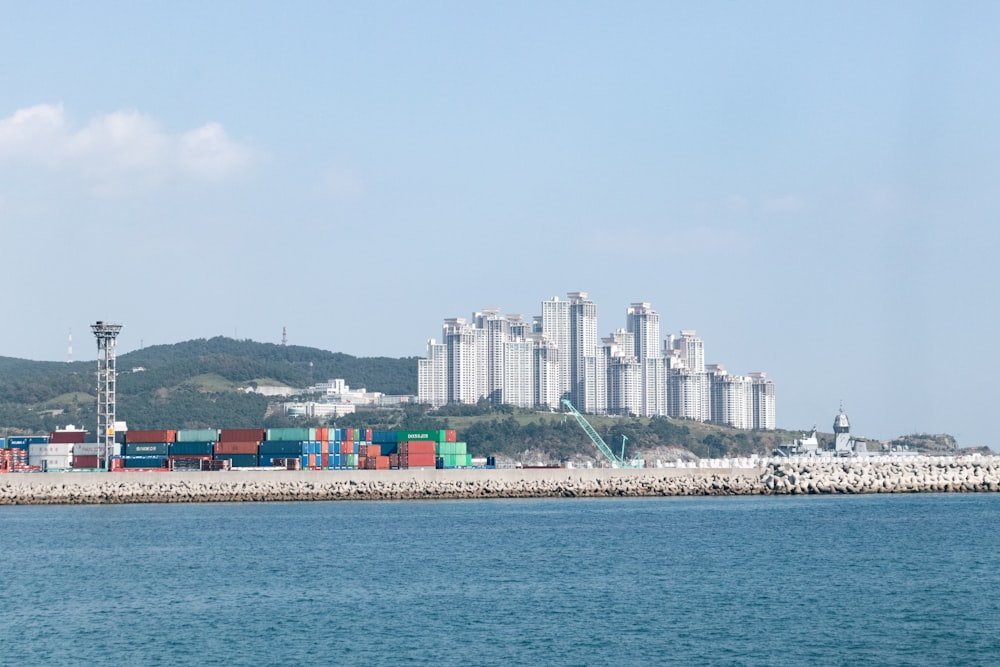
(381, 463)
(450, 436)
(324, 448)
(234, 447)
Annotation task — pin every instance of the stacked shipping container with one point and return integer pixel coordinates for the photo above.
(286, 448)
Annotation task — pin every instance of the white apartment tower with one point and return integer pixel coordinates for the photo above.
(732, 399)
(624, 374)
(644, 324)
(466, 361)
(494, 328)
(763, 402)
(432, 375)
(555, 327)
(584, 386)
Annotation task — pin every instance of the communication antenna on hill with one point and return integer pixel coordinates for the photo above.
(284, 336)
(69, 352)
(106, 334)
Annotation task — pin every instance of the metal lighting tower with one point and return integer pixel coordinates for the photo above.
(106, 334)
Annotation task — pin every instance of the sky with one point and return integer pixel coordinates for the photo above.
(813, 187)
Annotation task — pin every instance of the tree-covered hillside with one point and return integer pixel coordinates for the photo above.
(186, 385)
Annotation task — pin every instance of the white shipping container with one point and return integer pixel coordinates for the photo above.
(95, 449)
(50, 462)
(51, 449)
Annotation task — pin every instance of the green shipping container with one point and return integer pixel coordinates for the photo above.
(298, 434)
(198, 435)
(192, 448)
(436, 436)
(147, 448)
(451, 448)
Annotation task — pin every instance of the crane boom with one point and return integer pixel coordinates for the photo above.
(616, 461)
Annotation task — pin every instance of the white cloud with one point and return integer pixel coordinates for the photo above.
(121, 151)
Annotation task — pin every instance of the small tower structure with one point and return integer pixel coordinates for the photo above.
(106, 334)
(842, 433)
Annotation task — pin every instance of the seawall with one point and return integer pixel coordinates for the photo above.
(781, 477)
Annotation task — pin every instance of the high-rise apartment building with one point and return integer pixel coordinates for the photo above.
(534, 363)
(584, 386)
(644, 324)
(555, 326)
(432, 375)
(763, 402)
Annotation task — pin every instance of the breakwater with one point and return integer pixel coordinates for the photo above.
(776, 477)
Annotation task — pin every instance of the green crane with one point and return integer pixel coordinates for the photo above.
(616, 460)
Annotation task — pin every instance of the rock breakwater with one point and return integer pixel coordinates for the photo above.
(772, 478)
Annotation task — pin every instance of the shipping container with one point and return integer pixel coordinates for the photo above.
(192, 448)
(150, 436)
(281, 447)
(297, 434)
(451, 448)
(188, 463)
(236, 447)
(436, 436)
(198, 435)
(144, 461)
(418, 447)
(23, 441)
(86, 461)
(67, 436)
(450, 436)
(239, 460)
(54, 449)
(241, 435)
(147, 448)
(97, 449)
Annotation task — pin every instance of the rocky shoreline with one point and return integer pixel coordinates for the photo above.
(781, 477)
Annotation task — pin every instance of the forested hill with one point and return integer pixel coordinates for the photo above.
(185, 385)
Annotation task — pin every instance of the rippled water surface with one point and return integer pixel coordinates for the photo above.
(888, 580)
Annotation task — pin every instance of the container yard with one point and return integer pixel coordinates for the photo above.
(237, 449)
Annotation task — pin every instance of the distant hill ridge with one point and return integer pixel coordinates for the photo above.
(185, 385)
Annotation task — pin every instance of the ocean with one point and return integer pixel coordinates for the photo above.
(820, 580)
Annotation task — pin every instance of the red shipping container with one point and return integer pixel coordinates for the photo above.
(418, 459)
(417, 447)
(368, 435)
(346, 447)
(323, 433)
(394, 461)
(381, 462)
(151, 436)
(324, 448)
(241, 435)
(450, 436)
(62, 437)
(85, 461)
(362, 463)
(236, 447)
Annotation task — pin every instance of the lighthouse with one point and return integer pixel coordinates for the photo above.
(842, 434)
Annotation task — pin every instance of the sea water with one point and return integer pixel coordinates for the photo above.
(879, 580)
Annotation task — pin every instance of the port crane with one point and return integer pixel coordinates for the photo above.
(615, 460)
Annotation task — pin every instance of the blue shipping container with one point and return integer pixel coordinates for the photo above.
(192, 448)
(291, 448)
(145, 462)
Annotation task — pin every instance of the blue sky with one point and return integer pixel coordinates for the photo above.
(811, 186)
